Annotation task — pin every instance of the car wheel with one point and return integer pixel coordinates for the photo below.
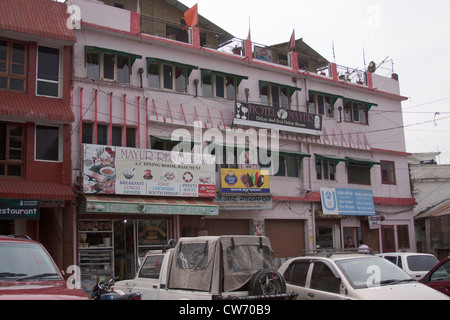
(266, 282)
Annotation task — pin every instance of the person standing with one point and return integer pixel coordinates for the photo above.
(363, 248)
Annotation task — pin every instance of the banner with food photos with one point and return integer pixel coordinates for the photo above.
(245, 181)
(130, 171)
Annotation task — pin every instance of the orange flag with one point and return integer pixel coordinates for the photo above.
(191, 16)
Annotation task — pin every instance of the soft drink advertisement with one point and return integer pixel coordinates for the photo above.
(245, 180)
(128, 171)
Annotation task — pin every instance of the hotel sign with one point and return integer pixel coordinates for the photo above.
(260, 116)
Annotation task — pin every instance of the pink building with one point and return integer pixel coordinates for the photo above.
(141, 74)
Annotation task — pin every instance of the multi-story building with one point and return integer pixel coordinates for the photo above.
(142, 74)
(36, 124)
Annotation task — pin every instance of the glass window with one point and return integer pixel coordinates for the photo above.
(181, 79)
(93, 65)
(442, 273)
(12, 140)
(421, 262)
(13, 71)
(47, 143)
(168, 77)
(123, 69)
(117, 136)
(131, 137)
(388, 172)
(324, 279)
(48, 72)
(296, 273)
(276, 96)
(151, 267)
(403, 237)
(220, 86)
(86, 135)
(102, 134)
(108, 66)
(153, 75)
(358, 174)
(231, 88)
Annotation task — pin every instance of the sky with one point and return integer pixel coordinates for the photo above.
(413, 35)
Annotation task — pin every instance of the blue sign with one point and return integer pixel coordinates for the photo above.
(347, 202)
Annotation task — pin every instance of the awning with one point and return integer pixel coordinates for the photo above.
(238, 77)
(320, 93)
(366, 162)
(32, 107)
(132, 56)
(35, 190)
(150, 206)
(334, 159)
(291, 89)
(367, 104)
(294, 154)
(173, 63)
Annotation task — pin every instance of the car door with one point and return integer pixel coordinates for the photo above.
(324, 283)
(296, 276)
(148, 280)
(439, 279)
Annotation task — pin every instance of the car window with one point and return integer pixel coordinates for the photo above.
(391, 259)
(442, 273)
(296, 273)
(26, 260)
(324, 279)
(151, 267)
(421, 262)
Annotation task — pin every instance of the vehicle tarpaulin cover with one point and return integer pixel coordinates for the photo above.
(196, 262)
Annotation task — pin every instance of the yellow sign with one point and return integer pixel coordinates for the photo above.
(245, 180)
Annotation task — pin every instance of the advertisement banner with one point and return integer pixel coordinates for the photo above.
(229, 202)
(249, 114)
(128, 171)
(20, 209)
(245, 180)
(347, 202)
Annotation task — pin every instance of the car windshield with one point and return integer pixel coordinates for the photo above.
(372, 272)
(26, 261)
(421, 262)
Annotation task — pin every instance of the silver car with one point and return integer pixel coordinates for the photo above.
(352, 277)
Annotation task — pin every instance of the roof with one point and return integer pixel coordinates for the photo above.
(35, 107)
(44, 18)
(19, 189)
(436, 211)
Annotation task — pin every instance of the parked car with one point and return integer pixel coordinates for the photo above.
(439, 277)
(352, 277)
(27, 272)
(416, 265)
(206, 268)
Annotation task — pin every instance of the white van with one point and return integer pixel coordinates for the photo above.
(417, 265)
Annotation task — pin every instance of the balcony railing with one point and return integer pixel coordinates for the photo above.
(166, 29)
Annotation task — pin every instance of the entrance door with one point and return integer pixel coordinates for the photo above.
(388, 238)
(124, 249)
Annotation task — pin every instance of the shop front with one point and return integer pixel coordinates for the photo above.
(136, 200)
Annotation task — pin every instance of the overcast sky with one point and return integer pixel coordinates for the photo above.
(413, 34)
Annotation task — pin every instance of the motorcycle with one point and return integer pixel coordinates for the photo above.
(103, 291)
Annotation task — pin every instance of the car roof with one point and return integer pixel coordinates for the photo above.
(335, 257)
(404, 254)
(16, 238)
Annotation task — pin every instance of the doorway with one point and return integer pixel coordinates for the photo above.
(124, 249)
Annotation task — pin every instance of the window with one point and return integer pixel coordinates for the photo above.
(388, 238)
(388, 172)
(323, 105)
(356, 112)
(48, 65)
(131, 137)
(358, 173)
(168, 77)
(13, 62)
(12, 149)
(117, 136)
(288, 166)
(326, 169)
(403, 237)
(276, 96)
(323, 278)
(109, 65)
(296, 273)
(217, 85)
(442, 273)
(88, 133)
(151, 267)
(47, 143)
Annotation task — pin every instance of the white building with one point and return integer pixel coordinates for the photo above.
(140, 76)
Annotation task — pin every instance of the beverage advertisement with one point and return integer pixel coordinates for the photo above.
(245, 181)
(129, 171)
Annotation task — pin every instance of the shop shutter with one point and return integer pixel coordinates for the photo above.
(287, 237)
(220, 227)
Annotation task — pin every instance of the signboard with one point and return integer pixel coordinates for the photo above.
(13, 209)
(128, 171)
(241, 202)
(151, 208)
(375, 222)
(245, 180)
(347, 202)
(249, 114)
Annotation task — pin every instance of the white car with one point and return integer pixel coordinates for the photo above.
(417, 265)
(352, 277)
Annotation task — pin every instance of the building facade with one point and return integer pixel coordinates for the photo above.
(36, 124)
(143, 77)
